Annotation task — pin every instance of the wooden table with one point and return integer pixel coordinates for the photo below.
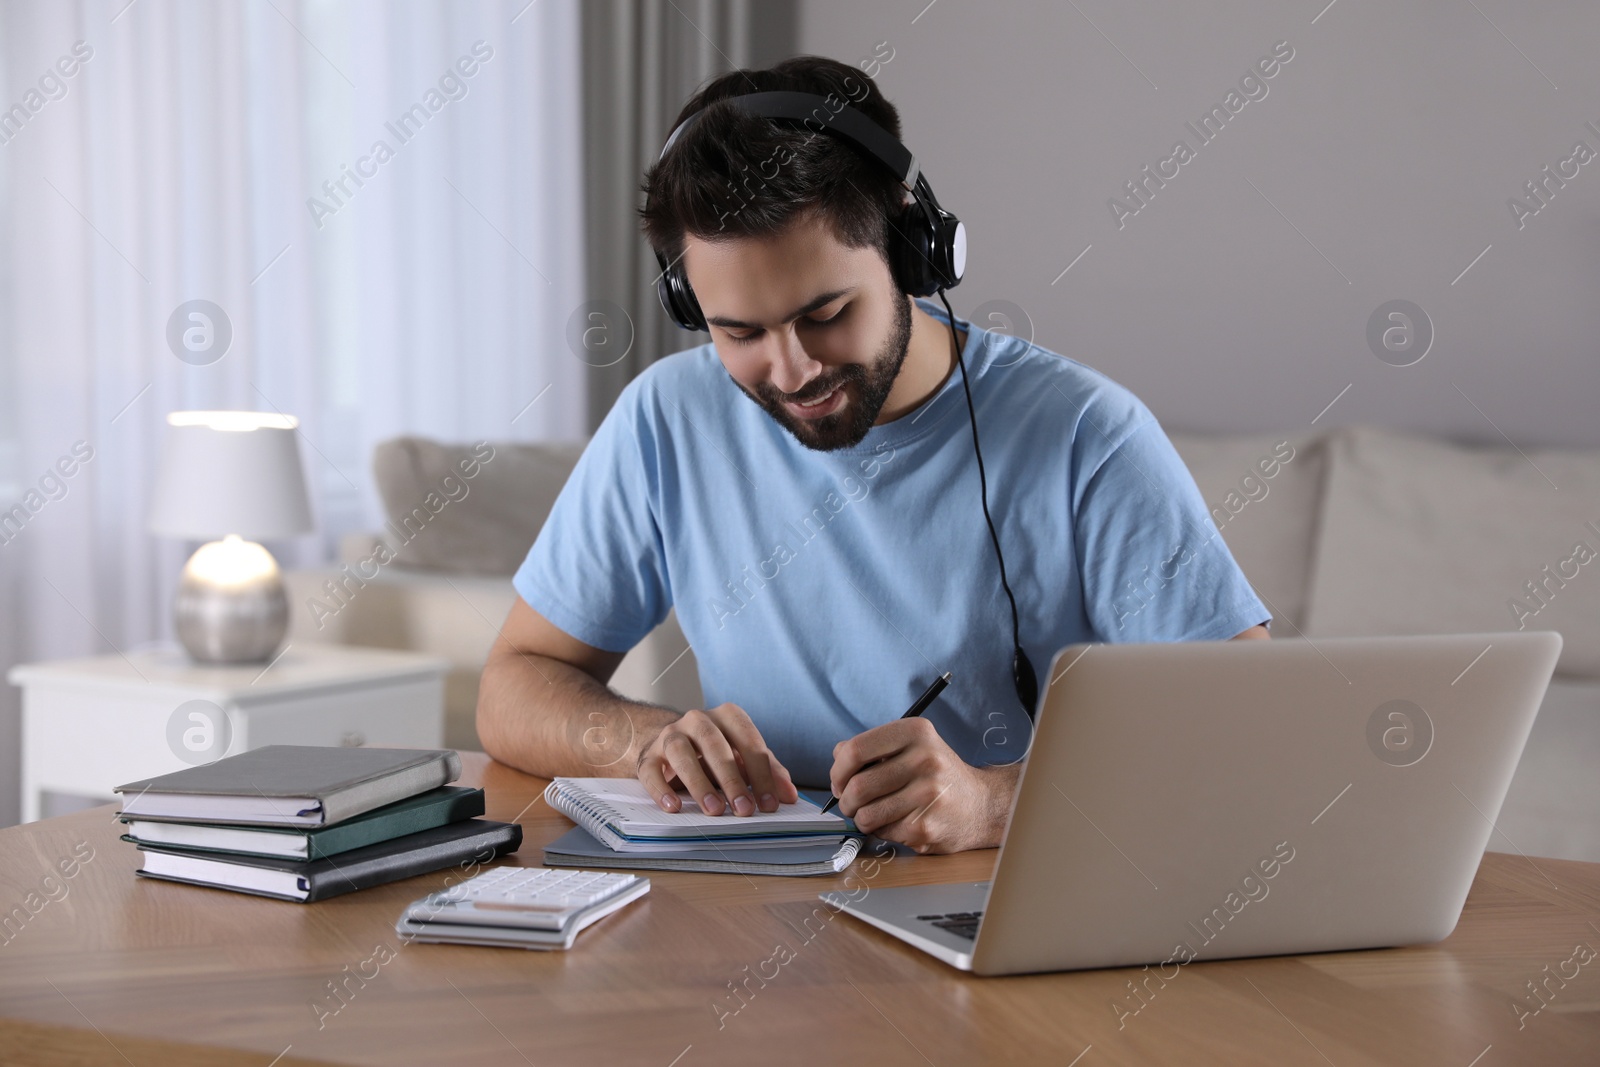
(118, 969)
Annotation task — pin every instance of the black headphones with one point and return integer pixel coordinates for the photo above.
(927, 244)
(927, 255)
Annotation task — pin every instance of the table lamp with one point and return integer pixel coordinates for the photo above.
(233, 475)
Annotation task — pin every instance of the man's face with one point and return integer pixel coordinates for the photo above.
(811, 330)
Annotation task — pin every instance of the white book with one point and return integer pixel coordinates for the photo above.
(619, 812)
(220, 838)
(205, 871)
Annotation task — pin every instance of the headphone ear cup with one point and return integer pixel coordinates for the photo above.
(911, 253)
(677, 298)
(927, 257)
(953, 241)
(946, 249)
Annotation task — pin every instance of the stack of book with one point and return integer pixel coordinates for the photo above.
(305, 823)
(621, 826)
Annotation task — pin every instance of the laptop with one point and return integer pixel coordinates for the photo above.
(1218, 799)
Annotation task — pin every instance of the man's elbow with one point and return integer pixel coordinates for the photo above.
(491, 713)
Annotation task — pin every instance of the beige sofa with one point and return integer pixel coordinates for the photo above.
(1350, 531)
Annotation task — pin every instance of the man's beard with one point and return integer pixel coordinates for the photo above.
(866, 390)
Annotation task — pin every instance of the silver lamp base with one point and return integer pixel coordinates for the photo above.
(231, 606)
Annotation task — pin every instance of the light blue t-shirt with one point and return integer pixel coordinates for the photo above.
(823, 591)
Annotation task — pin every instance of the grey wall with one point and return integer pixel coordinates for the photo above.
(1387, 147)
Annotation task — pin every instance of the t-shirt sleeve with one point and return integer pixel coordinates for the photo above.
(1153, 564)
(597, 569)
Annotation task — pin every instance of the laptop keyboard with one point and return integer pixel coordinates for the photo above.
(961, 923)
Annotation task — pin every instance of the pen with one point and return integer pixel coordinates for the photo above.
(928, 696)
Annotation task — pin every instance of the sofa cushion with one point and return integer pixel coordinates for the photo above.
(1267, 520)
(1423, 536)
(467, 509)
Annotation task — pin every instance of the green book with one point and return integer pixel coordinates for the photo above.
(437, 807)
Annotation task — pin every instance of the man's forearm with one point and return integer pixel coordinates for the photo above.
(550, 718)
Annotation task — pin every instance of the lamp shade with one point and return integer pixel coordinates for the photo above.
(230, 472)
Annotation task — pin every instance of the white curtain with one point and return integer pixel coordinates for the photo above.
(184, 158)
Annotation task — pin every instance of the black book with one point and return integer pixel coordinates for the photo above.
(467, 841)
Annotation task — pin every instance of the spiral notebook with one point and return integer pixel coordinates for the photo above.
(578, 848)
(620, 813)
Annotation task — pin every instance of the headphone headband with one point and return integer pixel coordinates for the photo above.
(804, 108)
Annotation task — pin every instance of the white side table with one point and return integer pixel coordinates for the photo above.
(89, 725)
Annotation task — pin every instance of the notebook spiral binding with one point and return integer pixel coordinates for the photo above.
(587, 811)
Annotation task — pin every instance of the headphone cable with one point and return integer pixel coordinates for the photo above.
(1021, 668)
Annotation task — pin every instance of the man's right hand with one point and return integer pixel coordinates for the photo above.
(714, 755)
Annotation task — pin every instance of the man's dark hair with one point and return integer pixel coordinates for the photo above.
(733, 174)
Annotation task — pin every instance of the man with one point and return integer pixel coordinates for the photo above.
(804, 490)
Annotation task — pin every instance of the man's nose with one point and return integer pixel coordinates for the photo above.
(792, 366)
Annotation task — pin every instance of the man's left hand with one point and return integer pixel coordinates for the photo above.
(921, 794)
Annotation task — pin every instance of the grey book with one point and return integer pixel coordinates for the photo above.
(290, 785)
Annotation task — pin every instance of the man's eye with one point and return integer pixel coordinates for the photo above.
(748, 338)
